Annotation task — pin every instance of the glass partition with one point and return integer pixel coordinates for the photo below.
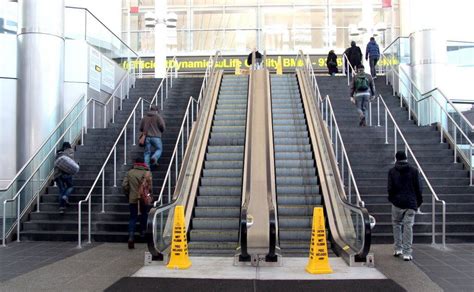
(34, 175)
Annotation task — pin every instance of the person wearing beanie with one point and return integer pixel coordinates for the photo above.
(405, 193)
(138, 175)
(152, 126)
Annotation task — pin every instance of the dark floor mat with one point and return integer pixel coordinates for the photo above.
(208, 285)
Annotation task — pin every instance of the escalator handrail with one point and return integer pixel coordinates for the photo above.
(158, 206)
(358, 253)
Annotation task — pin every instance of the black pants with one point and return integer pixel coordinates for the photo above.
(134, 216)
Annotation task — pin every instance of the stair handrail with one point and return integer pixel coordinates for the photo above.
(126, 77)
(164, 82)
(345, 60)
(413, 85)
(339, 236)
(81, 117)
(59, 125)
(190, 117)
(409, 151)
(414, 100)
(101, 174)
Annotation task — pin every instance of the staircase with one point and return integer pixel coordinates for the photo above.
(214, 226)
(371, 159)
(112, 225)
(296, 175)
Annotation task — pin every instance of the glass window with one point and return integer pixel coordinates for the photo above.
(347, 16)
(216, 19)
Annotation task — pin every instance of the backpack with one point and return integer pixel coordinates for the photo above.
(361, 82)
(144, 189)
(66, 164)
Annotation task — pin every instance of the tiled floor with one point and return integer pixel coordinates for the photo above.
(451, 269)
(18, 258)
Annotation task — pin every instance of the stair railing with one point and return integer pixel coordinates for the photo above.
(162, 89)
(101, 174)
(155, 240)
(129, 79)
(419, 103)
(397, 133)
(345, 62)
(30, 184)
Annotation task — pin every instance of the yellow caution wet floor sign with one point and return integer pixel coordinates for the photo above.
(179, 245)
(318, 253)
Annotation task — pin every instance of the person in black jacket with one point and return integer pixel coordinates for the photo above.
(355, 55)
(405, 194)
(331, 62)
(258, 59)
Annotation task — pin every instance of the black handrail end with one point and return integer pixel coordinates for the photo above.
(244, 257)
(271, 258)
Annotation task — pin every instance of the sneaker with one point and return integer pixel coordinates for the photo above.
(66, 200)
(375, 77)
(131, 244)
(407, 258)
(397, 253)
(152, 161)
(362, 121)
(61, 210)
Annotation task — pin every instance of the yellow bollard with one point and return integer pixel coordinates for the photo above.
(318, 253)
(179, 244)
(279, 66)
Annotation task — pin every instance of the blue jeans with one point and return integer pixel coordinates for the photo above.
(64, 183)
(373, 62)
(155, 142)
(133, 219)
(362, 99)
(403, 220)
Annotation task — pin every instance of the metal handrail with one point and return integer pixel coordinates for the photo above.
(345, 60)
(38, 168)
(43, 144)
(165, 81)
(412, 83)
(113, 96)
(420, 169)
(393, 42)
(101, 173)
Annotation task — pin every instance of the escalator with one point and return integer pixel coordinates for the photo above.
(258, 162)
(214, 226)
(296, 175)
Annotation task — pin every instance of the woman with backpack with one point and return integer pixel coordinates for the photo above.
(362, 88)
(137, 186)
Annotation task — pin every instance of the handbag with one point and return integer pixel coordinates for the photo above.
(141, 139)
(144, 190)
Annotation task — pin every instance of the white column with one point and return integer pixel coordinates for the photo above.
(160, 39)
(40, 73)
(368, 21)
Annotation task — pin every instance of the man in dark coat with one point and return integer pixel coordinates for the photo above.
(405, 194)
(331, 63)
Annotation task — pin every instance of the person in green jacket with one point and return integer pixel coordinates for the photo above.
(131, 185)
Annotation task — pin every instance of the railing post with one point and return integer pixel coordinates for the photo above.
(18, 218)
(166, 91)
(125, 146)
(79, 226)
(409, 107)
(433, 220)
(443, 239)
(349, 187)
(440, 126)
(370, 113)
(82, 135)
(103, 191)
(4, 223)
(471, 166)
(343, 159)
(134, 126)
(115, 166)
(113, 108)
(142, 109)
(161, 93)
(395, 138)
(378, 111)
(456, 144)
(386, 126)
(93, 114)
(89, 221)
